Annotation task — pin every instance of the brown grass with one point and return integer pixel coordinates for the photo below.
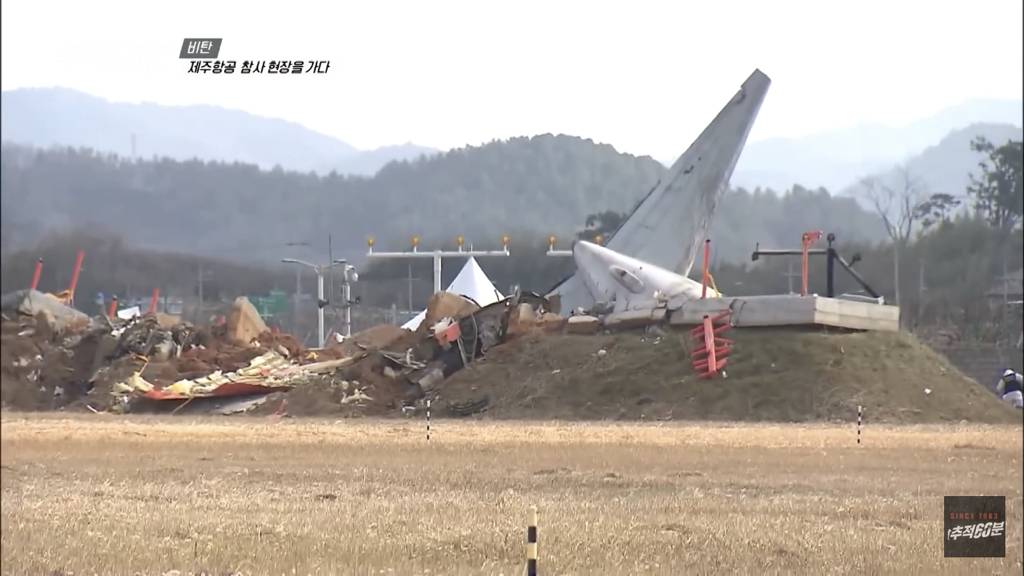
(112, 495)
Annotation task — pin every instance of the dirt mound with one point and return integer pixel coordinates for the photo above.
(773, 375)
(380, 337)
(20, 361)
(38, 371)
(287, 342)
(358, 390)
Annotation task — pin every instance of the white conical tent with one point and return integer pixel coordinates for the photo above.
(471, 282)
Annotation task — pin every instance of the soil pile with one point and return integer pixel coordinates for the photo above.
(360, 390)
(364, 388)
(772, 375)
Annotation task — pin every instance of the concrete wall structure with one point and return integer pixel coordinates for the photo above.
(789, 310)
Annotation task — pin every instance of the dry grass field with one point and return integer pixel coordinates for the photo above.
(116, 495)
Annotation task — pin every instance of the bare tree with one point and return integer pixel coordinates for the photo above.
(900, 202)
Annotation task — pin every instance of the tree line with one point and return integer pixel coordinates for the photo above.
(527, 188)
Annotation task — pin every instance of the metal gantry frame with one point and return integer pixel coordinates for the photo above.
(807, 239)
(350, 275)
(439, 255)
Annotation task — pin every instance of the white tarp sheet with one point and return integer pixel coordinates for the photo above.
(129, 313)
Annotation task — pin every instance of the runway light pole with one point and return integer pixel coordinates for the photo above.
(551, 248)
(437, 255)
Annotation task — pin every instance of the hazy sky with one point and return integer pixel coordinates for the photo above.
(643, 76)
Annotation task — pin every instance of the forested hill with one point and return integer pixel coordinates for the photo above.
(542, 184)
(526, 187)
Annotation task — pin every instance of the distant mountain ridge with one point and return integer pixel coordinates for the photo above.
(45, 117)
(946, 167)
(838, 159)
(527, 188)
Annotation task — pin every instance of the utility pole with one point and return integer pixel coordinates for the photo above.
(330, 258)
(320, 303)
(204, 275)
(297, 299)
(437, 256)
(1005, 279)
(298, 289)
(199, 307)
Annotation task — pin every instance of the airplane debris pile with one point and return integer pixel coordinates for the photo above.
(402, 368)
(147, 363)
(56, 357)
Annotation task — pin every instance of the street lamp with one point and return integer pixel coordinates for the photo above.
(320, 302)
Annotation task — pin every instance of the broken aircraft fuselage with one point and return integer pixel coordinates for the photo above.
(656, 246)
(618, 283)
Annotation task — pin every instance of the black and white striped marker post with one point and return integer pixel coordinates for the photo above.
(531, 544)
(428, 420)
(860, 414)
